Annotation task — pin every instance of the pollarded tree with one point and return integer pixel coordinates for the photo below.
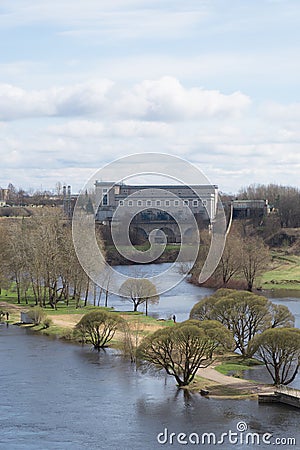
(218, 333)
(281, 316)
(279, 349)
(98, 327)
(139, 291)
(243, 313)
(204, 310)
(180, 351)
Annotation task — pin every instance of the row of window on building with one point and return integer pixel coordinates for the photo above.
(158, 203)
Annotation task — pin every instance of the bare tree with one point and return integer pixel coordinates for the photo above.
(139, 291)
(231, 261)
(255, 259)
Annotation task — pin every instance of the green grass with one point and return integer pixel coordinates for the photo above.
(61, 331)
(236, 364)
(137, 316)
(234, 369)
(285, 273)
(71, 309)
(53, 331)
(10, 296)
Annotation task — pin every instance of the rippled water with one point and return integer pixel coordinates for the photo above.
(61, 396)
(57, 395)
(181, 298)
(178, 301)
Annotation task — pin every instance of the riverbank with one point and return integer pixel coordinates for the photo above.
(229, 386)
(282, 275)
(209, 379)
(115, 258)
(64, 319)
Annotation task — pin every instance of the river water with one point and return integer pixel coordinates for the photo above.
(181, 298)
(57, 395)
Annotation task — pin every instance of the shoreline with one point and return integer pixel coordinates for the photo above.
(219, 385)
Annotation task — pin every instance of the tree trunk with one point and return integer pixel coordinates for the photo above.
(277, 380)
(87, 292)
(94, 294)
(99, 297)
(18, 290)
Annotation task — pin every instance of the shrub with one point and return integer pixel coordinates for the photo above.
(37, 315)
(98, 327)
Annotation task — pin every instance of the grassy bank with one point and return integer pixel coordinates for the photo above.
(284, 273)
(235, 365)
(64, 318)
(113, 256)
(223, 391)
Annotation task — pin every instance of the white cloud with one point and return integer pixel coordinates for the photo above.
(16, 102)
(163, 100)
(282, 112)
(167, 99)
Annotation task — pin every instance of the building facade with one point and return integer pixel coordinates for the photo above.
(244, 209)
(156, 203)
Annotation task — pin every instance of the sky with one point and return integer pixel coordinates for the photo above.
(83, 82)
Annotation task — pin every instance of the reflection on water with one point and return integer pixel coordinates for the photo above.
(59, 396)
(178, 301)
(181, 298)
(282, 293)
(64, 396)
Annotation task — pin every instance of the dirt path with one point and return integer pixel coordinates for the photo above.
(7, 305)
(13, 310)
(231, 382)
(66, 320)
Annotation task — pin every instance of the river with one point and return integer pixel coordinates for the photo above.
(181, 298)
(57, 396)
